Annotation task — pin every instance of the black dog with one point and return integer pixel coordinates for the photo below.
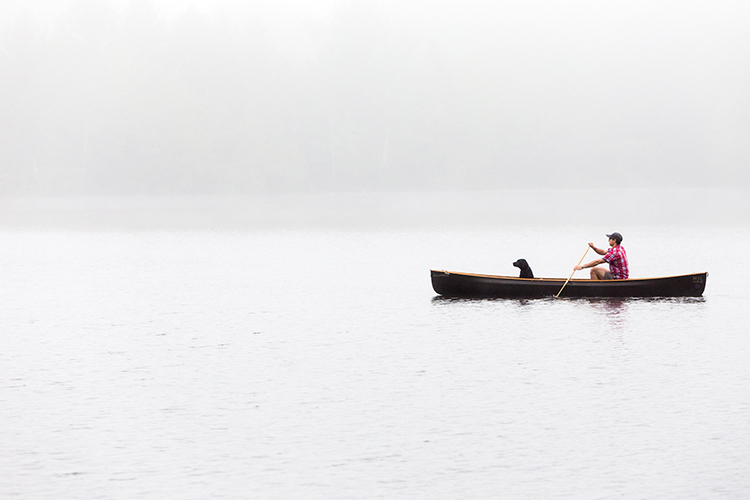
(525, 269)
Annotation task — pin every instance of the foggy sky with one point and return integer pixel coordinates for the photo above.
(171, 96)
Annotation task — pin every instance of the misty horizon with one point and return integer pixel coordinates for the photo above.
(158, 97)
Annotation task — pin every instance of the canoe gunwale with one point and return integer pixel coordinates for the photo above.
(562, 280)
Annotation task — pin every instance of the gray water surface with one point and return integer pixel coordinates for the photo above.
(320, 364)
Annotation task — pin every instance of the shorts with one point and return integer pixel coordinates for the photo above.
(608, 275)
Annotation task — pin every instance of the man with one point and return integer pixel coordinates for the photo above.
(615, 257)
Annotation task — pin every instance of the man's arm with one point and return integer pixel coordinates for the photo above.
(597, 250)
(593, 263)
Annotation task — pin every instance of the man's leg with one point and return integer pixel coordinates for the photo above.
(597, 273)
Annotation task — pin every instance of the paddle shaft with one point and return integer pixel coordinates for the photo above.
(571, 274)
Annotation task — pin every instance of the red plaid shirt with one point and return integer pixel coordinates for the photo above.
(618, 262)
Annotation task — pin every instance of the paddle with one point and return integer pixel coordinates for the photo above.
(571, 274)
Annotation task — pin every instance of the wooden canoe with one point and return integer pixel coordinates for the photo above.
(452, 284)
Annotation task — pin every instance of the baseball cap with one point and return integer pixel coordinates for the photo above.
(615, 236)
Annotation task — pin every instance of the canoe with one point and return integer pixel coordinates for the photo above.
(451, 284)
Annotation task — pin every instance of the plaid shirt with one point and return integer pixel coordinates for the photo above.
(618, 262)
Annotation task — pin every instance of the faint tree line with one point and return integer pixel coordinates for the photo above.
(116, 100)
(112, 99)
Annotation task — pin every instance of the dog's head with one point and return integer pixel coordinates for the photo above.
(521, 264)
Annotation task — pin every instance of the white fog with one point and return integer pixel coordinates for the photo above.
(230, 98)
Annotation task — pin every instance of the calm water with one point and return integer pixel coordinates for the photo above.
(320, 364)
